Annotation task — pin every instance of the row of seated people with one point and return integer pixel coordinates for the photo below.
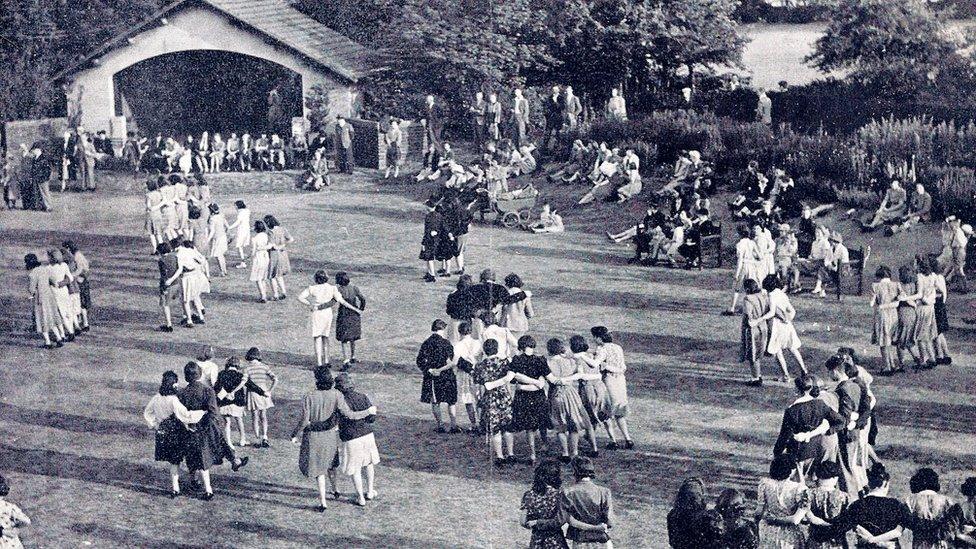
(614, 175)
(208, 154)
(777, 189)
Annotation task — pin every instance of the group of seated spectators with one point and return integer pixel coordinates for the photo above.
(613, 174)
(211, 153)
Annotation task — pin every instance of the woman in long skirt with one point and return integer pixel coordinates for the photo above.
(242, 226)
(941, 315)
(755, 331)
(47, 320)
(261, 260)
(908, 325)
(217, 228)
(782, 333)
(530, 408)
(279, 264)
(60, 280)
(321, 299)
(205, 445)
(318, 455)
(927, 331)
(349, 324)
(167, 415)
(884, 301)
(610, 357)
(566, 412)
(596, 399)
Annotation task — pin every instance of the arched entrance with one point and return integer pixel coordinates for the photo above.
(192, 91)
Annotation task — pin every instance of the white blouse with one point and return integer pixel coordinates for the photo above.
(161, 407)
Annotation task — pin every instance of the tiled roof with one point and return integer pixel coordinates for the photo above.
(275, 19)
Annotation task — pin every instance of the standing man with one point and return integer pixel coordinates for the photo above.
(554, 118)
(494, 118)
(572, 108)
(586, 507)
(435, 361)
(85, 155)
(69, 169)
(478, 112)
(343, 140)
(39, 174)
(520, 119)
(433, 122)
(616, 106)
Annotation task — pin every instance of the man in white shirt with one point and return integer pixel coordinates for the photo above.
(837, 256)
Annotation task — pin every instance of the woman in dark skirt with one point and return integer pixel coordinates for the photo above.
(941, 314)
(167, 415)
(205, 445)
(530, 407)
(447, 245)
(430, 245)
(349, 326)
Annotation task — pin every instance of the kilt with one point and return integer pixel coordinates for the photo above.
(171, 438)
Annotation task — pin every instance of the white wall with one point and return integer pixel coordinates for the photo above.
(191, 28)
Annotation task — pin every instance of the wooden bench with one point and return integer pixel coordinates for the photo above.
(711, 249)
(850, 278)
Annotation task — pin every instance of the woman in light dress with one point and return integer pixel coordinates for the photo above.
(168, 417)
(182, 204)
(242, 226)
(515, 316)
(747, 265)
(925, 311)
(279, 265)
(261, 259)
(908, 324)
(217, 153)
(60, 280)
(767, 251)
(566, 411)
(467, 353)
(193, 272)
(321, 298)
(884, 301)
(167, 208)
(394, 158)
(782, 333)
(47, 320)
(610, 358)
(931, 511)
(155, 224)
(754, 331)
(593, 392)
(217, 228)
(782, 504)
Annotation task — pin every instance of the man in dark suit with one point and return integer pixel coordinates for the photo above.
(433, 122)
(343, 140)
(553, 110)
(478, 111)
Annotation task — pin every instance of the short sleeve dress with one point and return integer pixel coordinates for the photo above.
(544, 507)
(614, 370)
(322, 298)
(495, 404)
(349, 325)
(782, 333)
(780, 499)
(908, 325)
(885, 331)
(530, 409)
(46, 316)
(827, 505)
(279, 263)
(596, 398)
(261, 260)
(753, 339)
(566, 412)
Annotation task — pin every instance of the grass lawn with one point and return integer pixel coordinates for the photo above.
(79, 458)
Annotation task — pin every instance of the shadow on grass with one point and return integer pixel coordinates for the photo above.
(331, 540)
(128, 538)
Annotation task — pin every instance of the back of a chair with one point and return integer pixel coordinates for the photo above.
(851, 275)
(711, 247)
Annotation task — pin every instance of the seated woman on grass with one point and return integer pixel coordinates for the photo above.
(610, 169)
(549, 221)
(579, 157)
(893, 207)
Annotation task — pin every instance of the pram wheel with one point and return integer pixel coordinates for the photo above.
(525, 216)
(510, 219)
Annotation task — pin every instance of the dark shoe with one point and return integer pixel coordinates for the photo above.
(236, 467)
(86, 328)
(455, 430)
(612, 446)
(69, 338)
(500, 463)
(511, 460)
(207, 497)
(947, 360)
(59, 344)
(336, 495)
(629, 445)
(165, 328)
(440, 430)
(197, 320)
(265, 444)
(593, 453)
(429, 278)
(352, 361)
(174, 494)
(321, 508)
(47, 346)
(565, 459)
(930, 365)
(728, 313)
(262, 300)
(755, 382)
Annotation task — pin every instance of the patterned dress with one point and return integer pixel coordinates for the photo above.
(827, 505)
(495, 404)
(780, 499)
(11, 518)
(543, 507)
(885, 320)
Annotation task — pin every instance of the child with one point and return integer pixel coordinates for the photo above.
(262, 376)
(11, 518)
(217, 228)
(242, 238)
(549, 221)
